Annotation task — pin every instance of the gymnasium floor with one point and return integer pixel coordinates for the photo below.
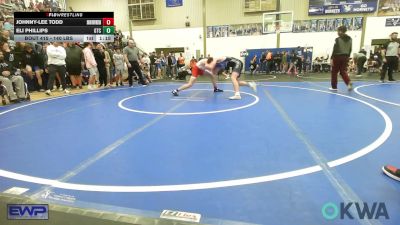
(275, 157)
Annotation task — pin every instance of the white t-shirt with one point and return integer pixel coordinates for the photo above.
(146, 60)
(392, 49)
(56, 55)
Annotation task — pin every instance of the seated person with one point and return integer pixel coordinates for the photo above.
(8, 78)
(32, 63)
(317, 65)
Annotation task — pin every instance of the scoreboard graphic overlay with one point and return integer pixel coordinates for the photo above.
(64, 27)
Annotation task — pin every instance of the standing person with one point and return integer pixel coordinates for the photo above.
(100, 57)
(73, 60)
(278, 61)
(299, 58)
(390, 54)
(107, 60)
(174, 66)
(269, 62)
(145, 61)
(292, 63)
(169, 65)
(359, 60)
(158, 67)
(263, 61)
(56, 63)
(284, 64)
(132, 57)
(118, 65)
(153, 69)
(110, 74)
(340, 58)
(45, 75)
(163, 63)
(91, 64)
(181, 61)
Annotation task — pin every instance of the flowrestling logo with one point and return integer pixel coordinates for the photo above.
(363, 210)
(28, 212)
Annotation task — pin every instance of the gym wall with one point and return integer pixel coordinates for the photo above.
(169, 30)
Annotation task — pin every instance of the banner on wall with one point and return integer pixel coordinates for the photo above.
(314, 25)
(358, 23)
(328, 25)
(174, 3)
(235, 30)
(389, 8)
(321, 24)
(326, 7)
(338, 23)
(393, 22)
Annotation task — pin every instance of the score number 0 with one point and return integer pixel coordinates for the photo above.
(108, 21)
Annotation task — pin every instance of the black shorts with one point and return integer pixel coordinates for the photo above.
(74, 69)
(235, 64)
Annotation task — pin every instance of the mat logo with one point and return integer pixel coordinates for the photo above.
(330, 211)
(27, 212)
(182, 216)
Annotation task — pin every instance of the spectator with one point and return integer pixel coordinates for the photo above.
(56, 63)
(169, 65)
(253, 65)
(9, 79)
(19, 51)
(153, 68)
(181, 61)
(193, 62)
(292, 59)
(73, 62)
(9, 54)
(108, 63)
(109, 49)
(31, 62)
(299, 58)
(145, 61)
(163, 63)
(9, 26)
(44, 59)
(91, 65)
(340, 57)
(277, 62)
(269, 62)
(263, 62)
(131, 55)
(5, 37)
(390, 55)
(284, 64)
(359, 60)
(118, 65)
(158, 66)
(174, 66)
(100, 57)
